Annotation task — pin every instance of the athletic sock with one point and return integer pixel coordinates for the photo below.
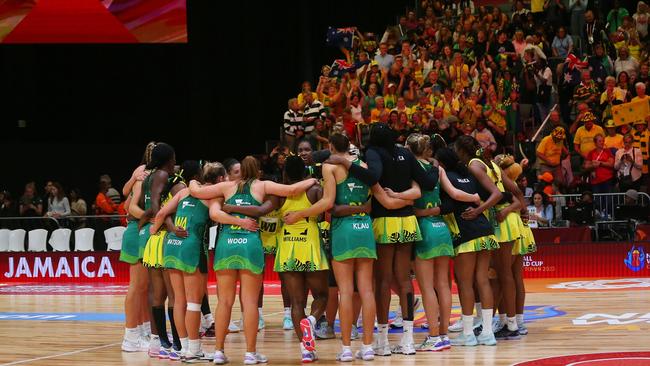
(312, 320)
(259, 311)
(131, 334)
(487, 321)
(185, 344)
(194, 346)
(382, 333)
(512, 324)
(407, 335)
(346, 348)
(520, 319)
(205, 306)
(479, 308)
(177, 340)
(468, 325)
(287, 312)
(161, 324)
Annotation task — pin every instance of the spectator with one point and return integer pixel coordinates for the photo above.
(562, 44)
(495, 114)
(577, 9)
(555, 120)
(78, 207)
(626, 63)
(584, 115)
(312, 111)
(520, 10)
(292, 124)
(113, 194)
(30, 203)
(103, 204)
(641, 141)
(640, 89)
(551, 150)
(601, 65)
(586, 91)
(612, 96)
(592, 30)
(546, 183)
(58, 204)
(7, 209)
(522, 183)
(541, 210)
(631, 197)
(584, 138)
(600, 163)
(615, 17)
(306, 88)
(623, 83)
(628, 164)
(556, 13)
(484, 136)
(641, 18)
(613, 140)
(384, 60)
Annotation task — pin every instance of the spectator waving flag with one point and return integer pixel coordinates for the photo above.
(340, 67)
(340, 37)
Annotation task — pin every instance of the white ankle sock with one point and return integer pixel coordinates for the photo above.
(259, 311)
(512, 323)
(407, 336)
(468, 324)
(287, 312)
(312, 320)
(209, 319)
(487, 320)
(185, 344)
(382, 332)
(520, 319)
(194, 345)
(346, 348)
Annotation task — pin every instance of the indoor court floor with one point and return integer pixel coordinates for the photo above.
(83, 325)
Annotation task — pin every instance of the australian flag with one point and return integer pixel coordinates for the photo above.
(340, 67)
(340, 37)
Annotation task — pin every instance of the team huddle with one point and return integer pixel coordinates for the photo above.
(362, 227)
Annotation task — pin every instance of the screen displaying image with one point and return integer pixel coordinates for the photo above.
(93, 21)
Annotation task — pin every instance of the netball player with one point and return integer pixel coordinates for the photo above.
(182, 257)
(137, 326)
(473, 239)
(435, 248)
(239, 253)
(507, 225)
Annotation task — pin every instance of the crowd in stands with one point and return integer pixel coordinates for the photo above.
(453, 68)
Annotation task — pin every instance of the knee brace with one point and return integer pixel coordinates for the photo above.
(192, 306)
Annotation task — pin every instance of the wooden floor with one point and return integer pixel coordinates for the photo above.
(40, 342)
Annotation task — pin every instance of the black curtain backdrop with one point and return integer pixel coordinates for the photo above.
(90, 109)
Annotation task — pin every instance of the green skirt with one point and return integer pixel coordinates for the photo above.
(131, 251)
(239, 249)
(352, 237)
(436, 239)
(182, 254)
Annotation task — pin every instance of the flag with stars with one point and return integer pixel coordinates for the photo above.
(340, 37)
(630, 113)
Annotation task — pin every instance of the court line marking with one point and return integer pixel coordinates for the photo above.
(60, 354)
(571, 354)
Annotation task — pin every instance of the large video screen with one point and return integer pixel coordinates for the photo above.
(93, 21)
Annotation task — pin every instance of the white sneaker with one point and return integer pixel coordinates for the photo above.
(130, 346)
(219, 358)
(496, 325)
(144, 343)
(233, 327)
(457, 326)
(382, 349)
(154, 347)
(404, 349)
(366, 354)
(398, 322)
(253, 358)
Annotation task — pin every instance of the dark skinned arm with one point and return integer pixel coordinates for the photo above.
(159, 180)
(347, 210)
(477, 170)
(271, 203)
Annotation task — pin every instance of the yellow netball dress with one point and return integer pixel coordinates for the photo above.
(510, 228)
(270, 226)
(526, 244)
(299, 244)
